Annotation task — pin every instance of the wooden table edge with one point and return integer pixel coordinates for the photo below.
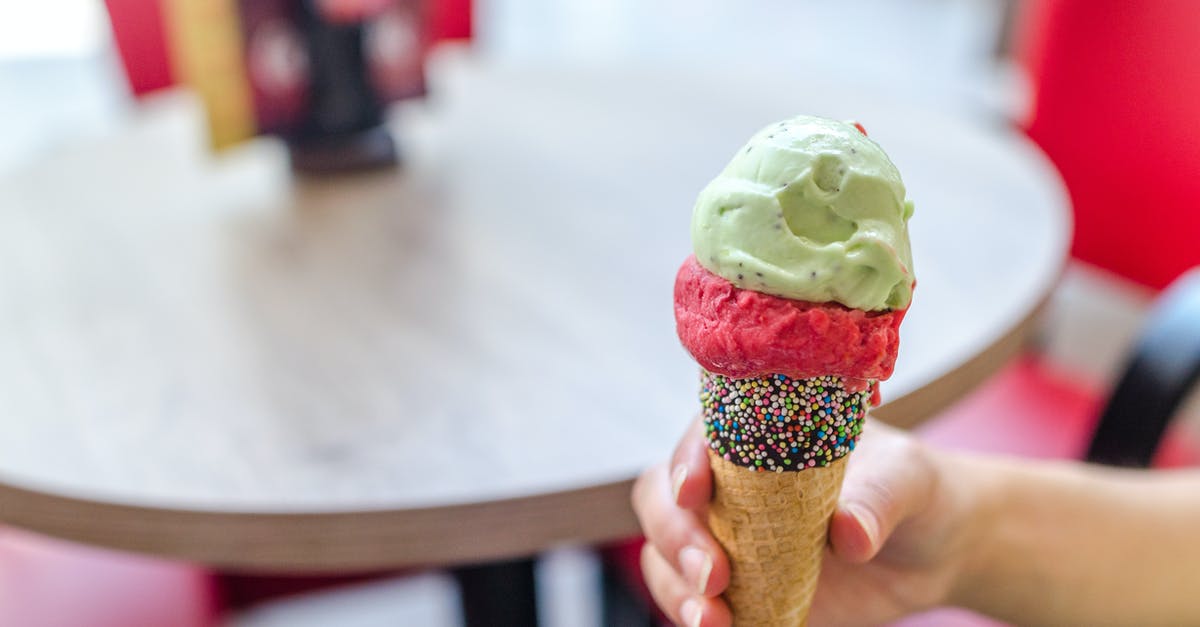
(393, 539)
(333, 542)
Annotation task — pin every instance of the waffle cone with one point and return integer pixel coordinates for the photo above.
(774, 526)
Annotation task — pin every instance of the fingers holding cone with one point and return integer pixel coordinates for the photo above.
(685, 568)
(675, 594)
(882, 489)
(674, 526)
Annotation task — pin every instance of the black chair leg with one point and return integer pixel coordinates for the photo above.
(621, 607)
(500, 594)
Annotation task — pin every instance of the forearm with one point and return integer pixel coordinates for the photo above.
(1065, 543)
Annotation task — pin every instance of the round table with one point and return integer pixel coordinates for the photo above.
(467, 358)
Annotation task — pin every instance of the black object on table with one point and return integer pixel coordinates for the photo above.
(344, 130)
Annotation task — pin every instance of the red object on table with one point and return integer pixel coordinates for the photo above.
(140, 35)
(1115, 92)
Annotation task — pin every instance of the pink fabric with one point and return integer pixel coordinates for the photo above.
(1028, 409)
(947, 617)
(50, 583)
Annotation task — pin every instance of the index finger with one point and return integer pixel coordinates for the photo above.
(691, 476)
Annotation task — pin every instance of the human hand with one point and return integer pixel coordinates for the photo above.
(898, 540)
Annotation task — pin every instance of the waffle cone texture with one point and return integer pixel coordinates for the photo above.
(774, 526)
(777, 447)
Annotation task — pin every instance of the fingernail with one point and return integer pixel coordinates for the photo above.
(866, 521)
(677, 479)
(690, 612)
(697, 565)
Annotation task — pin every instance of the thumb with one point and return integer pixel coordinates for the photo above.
(886, 483)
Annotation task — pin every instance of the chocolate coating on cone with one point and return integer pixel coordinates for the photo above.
(779, 423)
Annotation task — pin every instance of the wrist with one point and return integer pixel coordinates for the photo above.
(980, 486)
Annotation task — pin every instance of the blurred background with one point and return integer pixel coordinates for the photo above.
(1106, 89)
(64, 75)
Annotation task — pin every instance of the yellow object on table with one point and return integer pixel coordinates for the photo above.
(207, 55)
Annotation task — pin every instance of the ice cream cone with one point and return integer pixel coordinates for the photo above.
(778, 448)
(791, 303)
(774, 527)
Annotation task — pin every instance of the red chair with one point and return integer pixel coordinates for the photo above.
(1115, 87)
(49, 583)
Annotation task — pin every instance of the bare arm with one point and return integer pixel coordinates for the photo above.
(1067, 543)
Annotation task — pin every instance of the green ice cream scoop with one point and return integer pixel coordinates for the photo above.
(809, 209)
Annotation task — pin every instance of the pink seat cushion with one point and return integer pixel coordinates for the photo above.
(1027, 409)
(49, 583)
(1033, 410)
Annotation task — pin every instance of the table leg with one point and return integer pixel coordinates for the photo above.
(500, 594)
